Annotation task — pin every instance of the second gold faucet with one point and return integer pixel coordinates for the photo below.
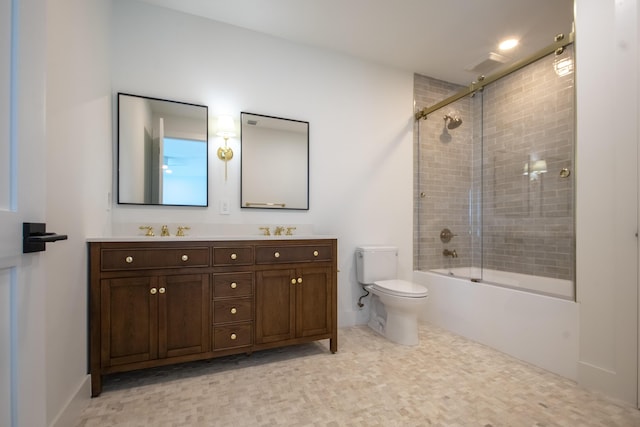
(278, 231)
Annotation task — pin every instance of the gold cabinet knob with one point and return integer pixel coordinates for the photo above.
(162, 290)
(293, 281)
(233, 310)
(153, 291)
(128, 259)
(233, 285)
(185, 257)
(277, 254)
(299, 279)
(315, 253)
(233, 336)
(234, 256)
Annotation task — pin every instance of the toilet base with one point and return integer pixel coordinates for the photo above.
(402, 328)
(397, 325)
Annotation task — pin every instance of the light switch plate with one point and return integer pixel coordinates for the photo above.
(224, 207)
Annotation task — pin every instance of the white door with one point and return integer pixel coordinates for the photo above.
(22, 195)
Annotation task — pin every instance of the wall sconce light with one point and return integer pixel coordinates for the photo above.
(536, 170)
(226, 129)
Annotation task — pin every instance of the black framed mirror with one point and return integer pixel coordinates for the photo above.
(274, 162)
(162, 152)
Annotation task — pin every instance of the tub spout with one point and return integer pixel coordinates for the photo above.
(452, 254)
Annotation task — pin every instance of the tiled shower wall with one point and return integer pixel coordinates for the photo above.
(473, 179)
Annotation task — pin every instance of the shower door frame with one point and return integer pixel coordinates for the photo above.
(558, 47)
(561, 41)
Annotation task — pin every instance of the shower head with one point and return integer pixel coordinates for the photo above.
(454, 122)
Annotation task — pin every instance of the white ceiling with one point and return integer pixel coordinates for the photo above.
(437, 38)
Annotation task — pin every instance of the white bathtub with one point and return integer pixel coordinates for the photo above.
(542, 285)
(537, 328)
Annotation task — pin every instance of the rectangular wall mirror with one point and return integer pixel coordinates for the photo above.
(162, 152)
(274, 162)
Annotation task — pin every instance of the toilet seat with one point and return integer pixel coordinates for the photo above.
(401, 288)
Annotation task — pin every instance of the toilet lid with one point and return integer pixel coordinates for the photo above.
(401, 288)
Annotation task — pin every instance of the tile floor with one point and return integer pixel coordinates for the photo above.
(445, 381)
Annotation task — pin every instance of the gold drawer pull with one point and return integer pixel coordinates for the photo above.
(299, 279)
(162, 290)
(185, 258)
(233, 310)
(153, 291)
(128, 259)
(293, 281)
(315, 253)
(234, 256)
(277, 254)
(233, 336)
(233, 285)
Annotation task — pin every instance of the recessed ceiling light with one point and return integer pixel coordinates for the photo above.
(508, 44)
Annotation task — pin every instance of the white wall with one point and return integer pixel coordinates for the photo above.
(78, 165)
(607, 200)
(360, 117)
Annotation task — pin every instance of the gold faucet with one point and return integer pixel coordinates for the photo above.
(164, 231)
(149, 229)
(265, 231)
(452, 254)
(290, 231)
(180, 232)
(279, 231)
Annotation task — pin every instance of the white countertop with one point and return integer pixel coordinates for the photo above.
(188, 238)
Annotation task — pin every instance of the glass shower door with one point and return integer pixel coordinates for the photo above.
(528, 221)
(449, 186)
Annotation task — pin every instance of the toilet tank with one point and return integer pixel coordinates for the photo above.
(376, 263)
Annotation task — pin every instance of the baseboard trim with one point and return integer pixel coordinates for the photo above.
(70, 413)
(607, 382)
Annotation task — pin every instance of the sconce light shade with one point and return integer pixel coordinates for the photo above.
(226, 127)
(538, 167)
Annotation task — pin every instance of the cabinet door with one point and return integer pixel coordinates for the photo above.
(129, 318)
(183, 317)
(275, 306)
(313, 302)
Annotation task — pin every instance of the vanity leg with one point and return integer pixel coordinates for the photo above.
(333, 345)
(96, 385)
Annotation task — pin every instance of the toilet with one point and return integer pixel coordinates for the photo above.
(395, 304)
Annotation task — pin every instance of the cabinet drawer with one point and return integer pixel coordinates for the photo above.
(239, 255)
(230, 336)
(291, 253)
(144, 258)
(232, 284)
(233, 310)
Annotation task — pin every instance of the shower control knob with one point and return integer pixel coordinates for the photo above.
(446, 235)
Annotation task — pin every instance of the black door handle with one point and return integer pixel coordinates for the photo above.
(34, 237)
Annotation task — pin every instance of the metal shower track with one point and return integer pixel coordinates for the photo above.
(558, 46)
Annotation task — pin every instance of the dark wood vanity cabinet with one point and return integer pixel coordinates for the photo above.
(144, 318)
(164, 302)
(293, 304)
